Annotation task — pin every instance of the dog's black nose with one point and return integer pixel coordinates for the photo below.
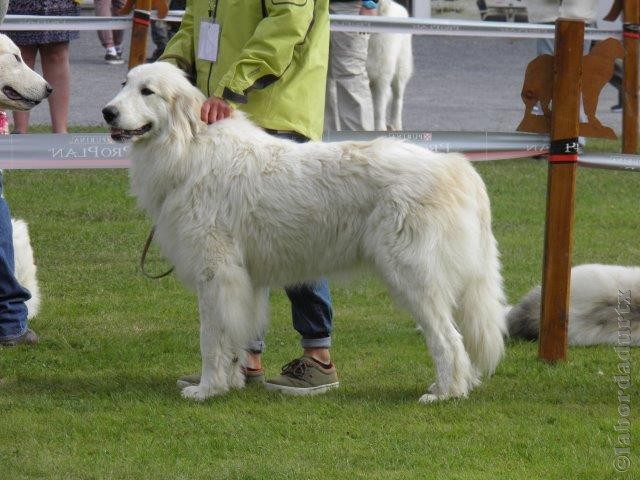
(110, 114)
(48, 89)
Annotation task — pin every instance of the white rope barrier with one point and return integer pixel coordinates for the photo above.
(611, 161)
(343, 23)
(98, 150)
(456, 28)
(477, 145)
(16, 23)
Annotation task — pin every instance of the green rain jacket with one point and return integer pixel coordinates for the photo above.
(272, 59)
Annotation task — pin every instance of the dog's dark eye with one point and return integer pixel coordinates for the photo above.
(146, 91)
(17, 57)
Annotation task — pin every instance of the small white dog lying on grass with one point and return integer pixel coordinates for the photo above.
(604, 307)
(238, 211)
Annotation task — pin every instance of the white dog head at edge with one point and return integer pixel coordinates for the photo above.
(20, 87)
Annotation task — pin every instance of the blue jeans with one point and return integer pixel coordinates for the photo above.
(312, 315)
(13, 311)
(311, 308)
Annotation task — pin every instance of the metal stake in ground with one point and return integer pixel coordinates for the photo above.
(563, 162)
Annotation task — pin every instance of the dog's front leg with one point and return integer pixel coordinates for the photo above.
(224, 305)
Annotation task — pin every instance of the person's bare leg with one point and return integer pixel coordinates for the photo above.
(253, 361)
(21, 119)
(55, 69)
(320, 354)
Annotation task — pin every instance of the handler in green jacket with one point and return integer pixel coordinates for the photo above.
(269, 59)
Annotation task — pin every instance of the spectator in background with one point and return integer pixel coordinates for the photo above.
(161, 31)
(54, 56)
(348, 103)
(616, 82)
(111, 40)
(548, 11)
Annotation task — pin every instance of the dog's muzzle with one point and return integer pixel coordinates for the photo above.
(110, 115)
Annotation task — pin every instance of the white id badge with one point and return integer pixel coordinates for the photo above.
(208, 42)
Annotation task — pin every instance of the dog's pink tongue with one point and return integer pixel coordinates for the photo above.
(118, 134)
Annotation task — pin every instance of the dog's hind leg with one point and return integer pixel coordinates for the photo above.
(225, 303)
(455, 376)
(380, 93)
(430, 298)
(397, 98)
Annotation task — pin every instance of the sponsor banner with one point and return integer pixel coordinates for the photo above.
(49, 151)
(98, 150)
(344, 23)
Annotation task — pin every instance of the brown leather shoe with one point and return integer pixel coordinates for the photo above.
(27, 338)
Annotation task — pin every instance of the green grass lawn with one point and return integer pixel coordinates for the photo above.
(97, 398)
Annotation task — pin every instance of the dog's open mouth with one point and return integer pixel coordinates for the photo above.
(121, 135)
(13, 94)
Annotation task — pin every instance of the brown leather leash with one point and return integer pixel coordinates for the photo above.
(143, 258)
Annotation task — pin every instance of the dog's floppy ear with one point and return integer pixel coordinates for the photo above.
(185, 117)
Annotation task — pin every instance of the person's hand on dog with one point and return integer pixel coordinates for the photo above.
(214, 109)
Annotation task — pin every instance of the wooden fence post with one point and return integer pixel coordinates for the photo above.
(631, 41)
(139, 33)
(563, 162)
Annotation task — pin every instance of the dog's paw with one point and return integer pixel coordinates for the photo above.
(429, 398)
(434, 395)
(236, 379)
(199, 393)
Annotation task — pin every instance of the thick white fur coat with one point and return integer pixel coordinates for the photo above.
(238, 211)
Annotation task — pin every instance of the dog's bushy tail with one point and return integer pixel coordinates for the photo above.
(481, 308)
(523, 319)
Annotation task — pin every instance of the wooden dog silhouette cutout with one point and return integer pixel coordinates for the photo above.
(597, 70)
(159, 5)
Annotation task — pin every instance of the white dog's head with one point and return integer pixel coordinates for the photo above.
(156, 101)
(20, 87)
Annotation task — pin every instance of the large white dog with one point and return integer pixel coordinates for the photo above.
(238, 211)
(389, 67)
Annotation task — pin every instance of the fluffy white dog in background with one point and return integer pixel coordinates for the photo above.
(238, 211)
(389, 66)
(599, 312)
